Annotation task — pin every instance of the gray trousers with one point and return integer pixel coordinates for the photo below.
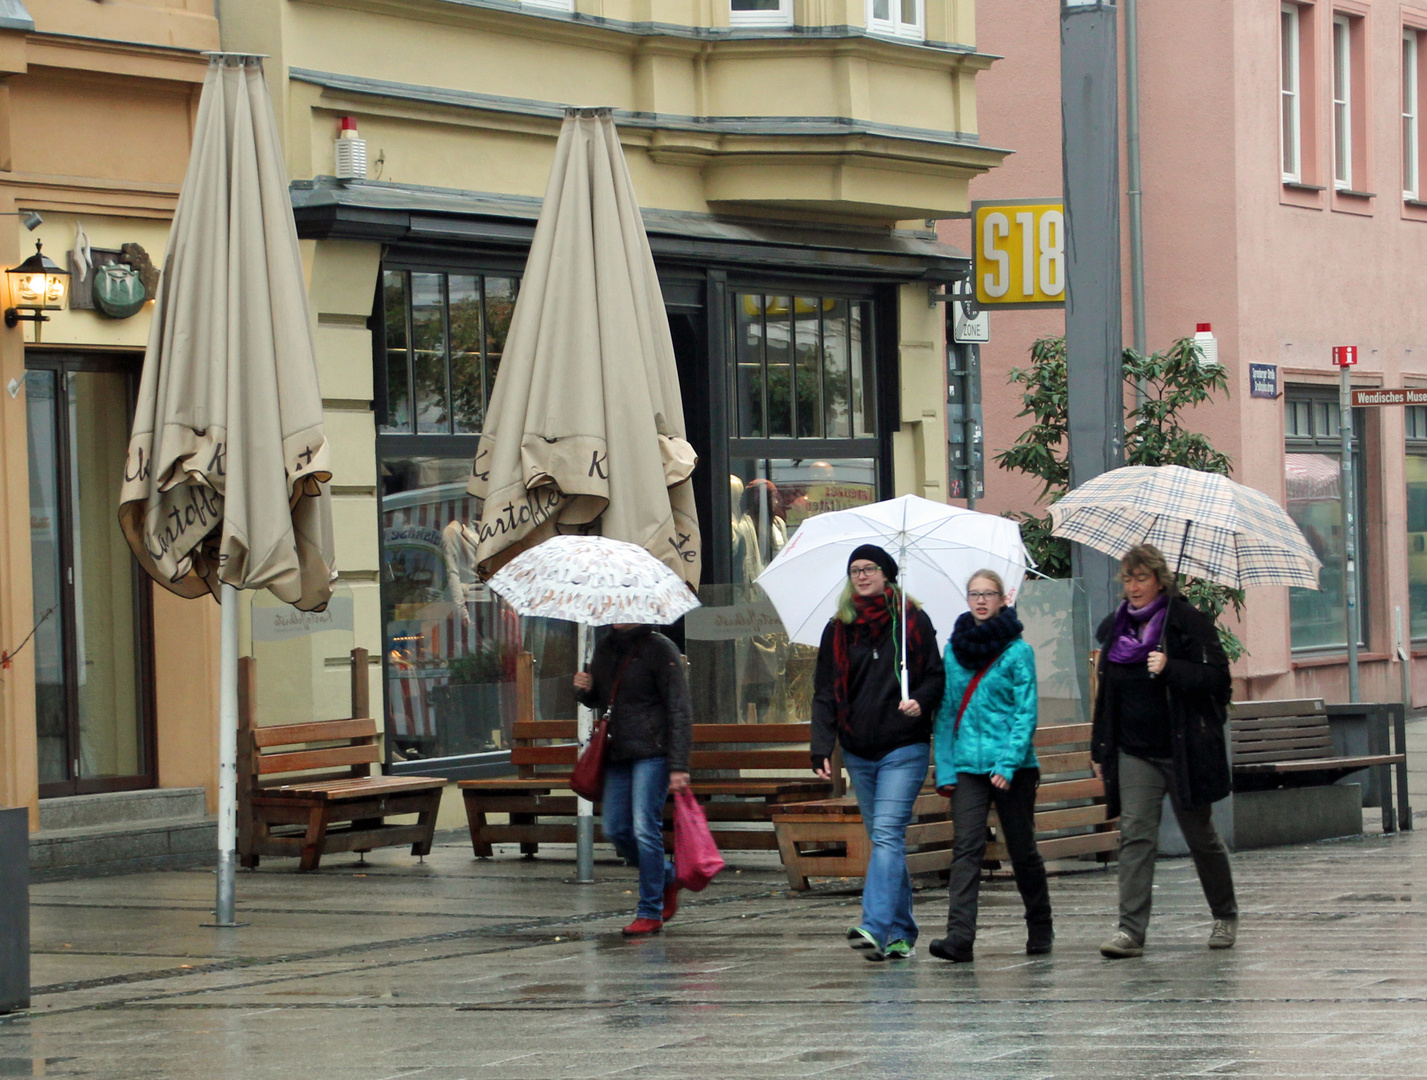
(1143, 786)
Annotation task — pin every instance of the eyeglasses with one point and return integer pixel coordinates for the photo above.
(862, 571)
(982, 595)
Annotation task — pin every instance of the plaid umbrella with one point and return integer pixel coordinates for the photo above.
(1205, 524)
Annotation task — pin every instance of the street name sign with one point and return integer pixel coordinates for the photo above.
(1406, 396)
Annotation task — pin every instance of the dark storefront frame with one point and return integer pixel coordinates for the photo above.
(700, 275)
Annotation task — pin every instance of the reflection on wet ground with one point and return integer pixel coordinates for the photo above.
(499, 968)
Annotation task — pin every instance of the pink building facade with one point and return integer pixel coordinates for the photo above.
(1282, 156)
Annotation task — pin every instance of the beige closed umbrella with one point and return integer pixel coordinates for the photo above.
(585, 430)
(225, 482)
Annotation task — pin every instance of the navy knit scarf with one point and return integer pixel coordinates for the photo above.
(976, 645)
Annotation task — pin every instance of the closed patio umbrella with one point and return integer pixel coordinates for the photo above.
(224, 485)
(585, 430)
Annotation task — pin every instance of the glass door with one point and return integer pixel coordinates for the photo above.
(91, 601)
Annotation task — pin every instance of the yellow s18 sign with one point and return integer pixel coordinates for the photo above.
(1020, 253)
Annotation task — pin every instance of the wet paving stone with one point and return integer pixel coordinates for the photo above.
(464, 968)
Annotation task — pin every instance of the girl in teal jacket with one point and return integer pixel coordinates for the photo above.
(984, 752)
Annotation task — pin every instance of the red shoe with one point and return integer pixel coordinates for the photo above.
(642, 926)
(671, 902)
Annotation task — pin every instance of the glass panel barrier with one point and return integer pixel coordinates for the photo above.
(743, 668)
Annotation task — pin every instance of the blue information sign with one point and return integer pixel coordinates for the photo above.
(1263, 380)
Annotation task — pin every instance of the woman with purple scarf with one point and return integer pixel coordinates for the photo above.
(1159, 729)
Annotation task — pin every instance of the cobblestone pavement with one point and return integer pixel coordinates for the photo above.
(499, 968)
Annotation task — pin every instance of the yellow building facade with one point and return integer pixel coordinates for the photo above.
(791, 157)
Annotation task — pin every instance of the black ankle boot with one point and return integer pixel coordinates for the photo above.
(1039, 940)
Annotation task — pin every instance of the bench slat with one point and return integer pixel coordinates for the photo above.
(1060, 734)
(1282, 723)
(315, 731)
(1279, 707)
(1351, 764)
(327, 758)
(753, 733)
(750, 759)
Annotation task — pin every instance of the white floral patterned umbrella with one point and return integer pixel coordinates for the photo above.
(593, 580)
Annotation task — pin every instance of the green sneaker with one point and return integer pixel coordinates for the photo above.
(861, 940)
(900, 950)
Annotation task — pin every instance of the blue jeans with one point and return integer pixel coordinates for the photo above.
(886, 790)
(632, 817)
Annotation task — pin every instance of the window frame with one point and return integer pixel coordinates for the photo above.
(895, 26)
(1414, 426)
(1290, 68)
(550, 5)
(1341, 82)
(1323, 402)
(782, 17)
(1411, 115)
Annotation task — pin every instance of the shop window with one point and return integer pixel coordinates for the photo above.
(1416, 424)
(1312, 467)
(449, 643)
(898, 18)
(444, 337)
(760, 12)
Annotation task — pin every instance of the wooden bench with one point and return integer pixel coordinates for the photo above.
(739, 772)
(283, 814)
(1289, 743)
(826, 838)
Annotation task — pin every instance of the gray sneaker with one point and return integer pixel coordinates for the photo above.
(1121, 946)
(1225, 933)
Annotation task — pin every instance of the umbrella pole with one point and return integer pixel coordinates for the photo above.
(584, 809)
(902, 565)
(227, 760)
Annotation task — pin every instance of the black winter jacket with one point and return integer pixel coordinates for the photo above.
(875, 726)
(651, 716)
(1198, 687)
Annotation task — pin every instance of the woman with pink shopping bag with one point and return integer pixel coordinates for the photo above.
(637, 676)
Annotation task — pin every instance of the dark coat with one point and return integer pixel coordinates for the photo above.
(1197, 684)
(651, 716)
(875, 726)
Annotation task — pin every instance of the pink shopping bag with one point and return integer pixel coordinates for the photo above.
(696, 857)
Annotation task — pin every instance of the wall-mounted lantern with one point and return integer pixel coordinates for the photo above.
(37, 285)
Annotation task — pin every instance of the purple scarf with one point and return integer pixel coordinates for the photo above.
(1136, 632)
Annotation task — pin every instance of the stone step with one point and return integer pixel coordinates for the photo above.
(154, 804)
(123, 847)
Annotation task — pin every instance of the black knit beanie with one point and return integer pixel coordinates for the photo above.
(872, 553)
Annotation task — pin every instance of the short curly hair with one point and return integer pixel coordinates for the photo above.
(1148, 557)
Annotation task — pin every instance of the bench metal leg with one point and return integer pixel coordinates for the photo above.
(1399, 731)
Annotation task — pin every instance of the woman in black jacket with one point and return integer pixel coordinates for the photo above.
(1159, 728)
(638, 675)
(857, 700)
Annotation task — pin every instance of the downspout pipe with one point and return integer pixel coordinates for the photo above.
(1132, 155)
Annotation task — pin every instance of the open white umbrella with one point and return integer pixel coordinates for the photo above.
(225, 481)
(937, 548)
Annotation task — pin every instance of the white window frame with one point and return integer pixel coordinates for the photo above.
(1411, 119)
(552, 5)
(895, 26)
(782, 17)
(1290, 131)
(1342, 103)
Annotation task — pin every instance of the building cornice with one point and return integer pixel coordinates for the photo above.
(688, 137)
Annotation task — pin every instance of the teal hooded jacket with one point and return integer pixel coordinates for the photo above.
(998, 728)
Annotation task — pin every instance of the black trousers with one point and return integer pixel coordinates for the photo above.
(970, 805)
